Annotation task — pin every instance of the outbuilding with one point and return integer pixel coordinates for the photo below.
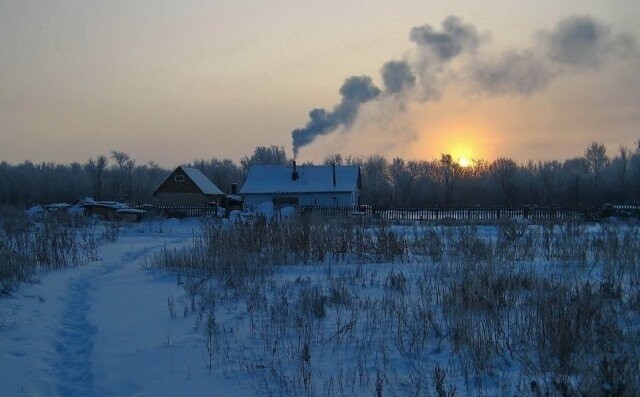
(307, 185)
(187, 186)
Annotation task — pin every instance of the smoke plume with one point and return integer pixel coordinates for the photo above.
(355, 91)
(584, 42)
(455, 37)
(397, 76)
(575, 44)
(521, 72)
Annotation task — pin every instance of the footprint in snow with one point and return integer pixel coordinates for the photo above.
(74, 344)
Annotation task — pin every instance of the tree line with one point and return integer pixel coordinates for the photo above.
(592, 179)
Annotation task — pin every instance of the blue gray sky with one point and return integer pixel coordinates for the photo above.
(172, 81)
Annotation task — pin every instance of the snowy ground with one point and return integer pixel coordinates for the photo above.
(114, 327)
(104, 329)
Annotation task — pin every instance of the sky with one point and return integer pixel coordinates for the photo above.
(174, 81)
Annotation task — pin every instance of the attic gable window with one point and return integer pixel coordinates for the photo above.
(179, 178)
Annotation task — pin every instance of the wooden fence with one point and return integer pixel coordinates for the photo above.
(422, 214)
(179, 211)
(475, 213)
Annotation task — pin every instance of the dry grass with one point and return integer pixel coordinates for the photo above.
(511, 309)
(26, 248)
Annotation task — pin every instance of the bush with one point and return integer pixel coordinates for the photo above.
(27, 247)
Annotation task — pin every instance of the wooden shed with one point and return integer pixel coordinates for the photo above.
(187, 186)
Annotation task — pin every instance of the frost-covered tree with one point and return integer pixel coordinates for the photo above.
(221, 172)
(504, 171)
(575, 172)
(122, 175)
(588, 180)
(271, 155)
(449, 171)
(597, 160)
(97, 170)
(377, 188)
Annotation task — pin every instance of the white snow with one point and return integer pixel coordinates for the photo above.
(57, 207)
(130, 211)
(311, 178)
(36, 211)
(265, 209)
(86, 200)
(112, 204)
(76, 209)
(104, 329)
(201, 180)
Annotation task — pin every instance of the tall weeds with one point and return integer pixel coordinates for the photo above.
(513, 308)
(27, 248)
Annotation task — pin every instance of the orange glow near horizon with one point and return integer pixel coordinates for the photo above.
(463, 142)
(464, 162)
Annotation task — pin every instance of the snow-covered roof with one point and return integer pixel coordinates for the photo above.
(202, 182)
(114, 204)
(109, 204)
(35, 211)
(311, 179)
(130, 211)
(234, 197)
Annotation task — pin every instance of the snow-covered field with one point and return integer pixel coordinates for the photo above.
(495, 310)
(104, 328)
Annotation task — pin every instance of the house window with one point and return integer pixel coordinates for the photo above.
(285, 200)
(179, 178)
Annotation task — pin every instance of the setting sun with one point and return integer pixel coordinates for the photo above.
(461, 150)
(463, 141)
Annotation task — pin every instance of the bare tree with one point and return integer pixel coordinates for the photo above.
(123, 178)
(449, 171)
(549, 174)
(221, 172)
(333, 159)
(620, 167)
(597, 160)
(575, 171)
(97, 170)
(402, 181)
(591, 179)
(377, 189)
(272, 155)
(504, 171)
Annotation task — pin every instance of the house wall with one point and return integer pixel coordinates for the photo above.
(185, 192)
(182, 199)
(171, 186)
(328, 199)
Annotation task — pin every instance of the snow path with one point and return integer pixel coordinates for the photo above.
(74, 344)
(104, 329)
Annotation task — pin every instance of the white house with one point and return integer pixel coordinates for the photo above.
(318, 185)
